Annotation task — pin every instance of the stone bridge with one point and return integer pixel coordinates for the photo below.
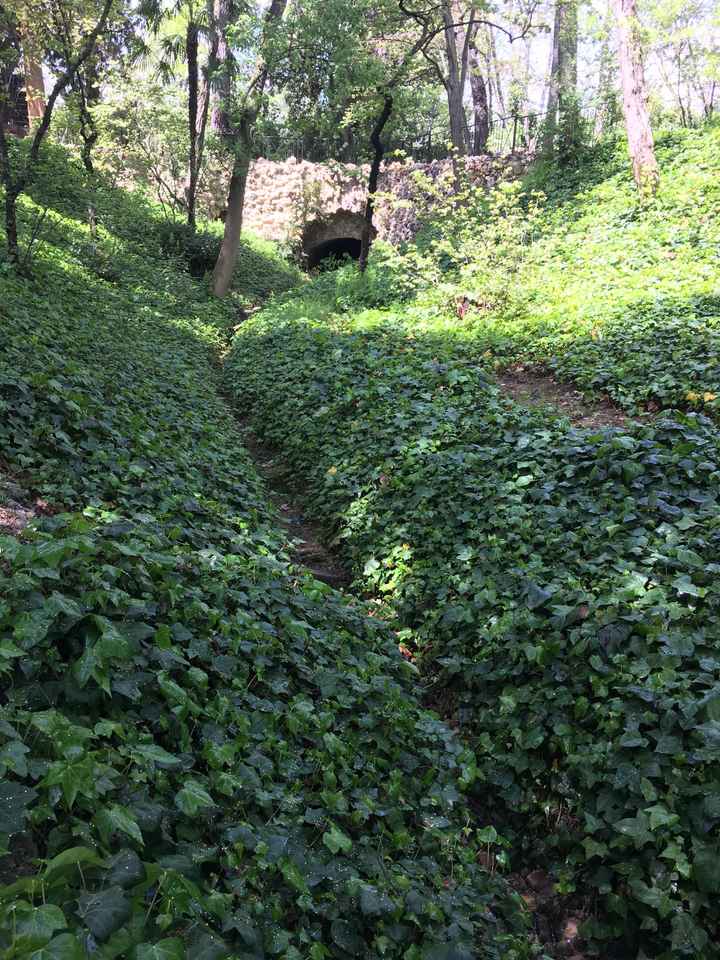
(318, 208)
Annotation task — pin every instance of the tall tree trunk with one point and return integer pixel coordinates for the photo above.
(454, 83)
(637, 118)
(34, 83)
(379, 152)
(225, 266)
(11, 230)
(239, 136)
(562, 83)
(495, 69)
(192, 39)
(481, 106)
(606, 101)
(11, 194)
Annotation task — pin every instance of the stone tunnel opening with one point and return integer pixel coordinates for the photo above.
(325, 255)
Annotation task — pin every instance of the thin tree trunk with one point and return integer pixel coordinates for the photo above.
(191, 46)
(496, 70)
(379, 152)
(637, 118)
(238, 137)
(88, 129)
(10, 194)
(11, 227)
(605, 115)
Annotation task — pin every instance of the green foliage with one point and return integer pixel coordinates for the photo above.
(559, 585)
(128, 227)
(214, 754)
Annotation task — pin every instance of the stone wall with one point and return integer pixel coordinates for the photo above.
(283, 198)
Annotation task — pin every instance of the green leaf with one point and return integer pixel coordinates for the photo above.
(706, 867)
(208, 947)
(160, 757)
(170, 949)
(335, 840)
(193, 798)
(125, 869)
(345, 935)
(63, 947)
(104, 912)
(373, 903)
(41, 923)
(14, 801)
(67, 862)
(118, 819)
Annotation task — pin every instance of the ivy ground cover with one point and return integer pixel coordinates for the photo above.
(559, 587)
(204, 752)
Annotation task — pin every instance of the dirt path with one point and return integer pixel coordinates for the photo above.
(308, 549)
(535, 388)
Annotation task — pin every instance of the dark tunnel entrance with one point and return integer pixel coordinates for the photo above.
(323, 255)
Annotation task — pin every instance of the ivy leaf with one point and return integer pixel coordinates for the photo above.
(706, 867)
(125, 869)
(41, 923)
(193, 798)
(160, 757)
(346, 936)
(63, 947)
(14, 801)
(104, 912)
(373, 903)
(536, 597)
(68, 862)
(335, 840)
(171, 948)
(118, 819)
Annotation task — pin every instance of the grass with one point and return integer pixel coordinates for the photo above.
(557, 586)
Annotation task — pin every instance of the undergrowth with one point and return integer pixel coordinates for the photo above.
(204, 752)
(559, 587)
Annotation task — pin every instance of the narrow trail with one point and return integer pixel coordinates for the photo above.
(307, 546)
(556, 919)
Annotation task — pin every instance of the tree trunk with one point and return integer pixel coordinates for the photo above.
(562, 83)
(10, 193)
(495, 68)
(225, 266)
(454, 84)
(34, 86)
(191, 47)
(637, 118)
(481, 106)
(11, 227)
(238, 136)
(88, 129)
(379, 152)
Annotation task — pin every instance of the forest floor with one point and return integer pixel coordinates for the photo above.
(537, 388)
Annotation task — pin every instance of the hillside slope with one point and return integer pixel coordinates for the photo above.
(204, 752)
(557, 585)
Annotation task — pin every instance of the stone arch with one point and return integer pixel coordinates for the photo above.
(338, 234)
